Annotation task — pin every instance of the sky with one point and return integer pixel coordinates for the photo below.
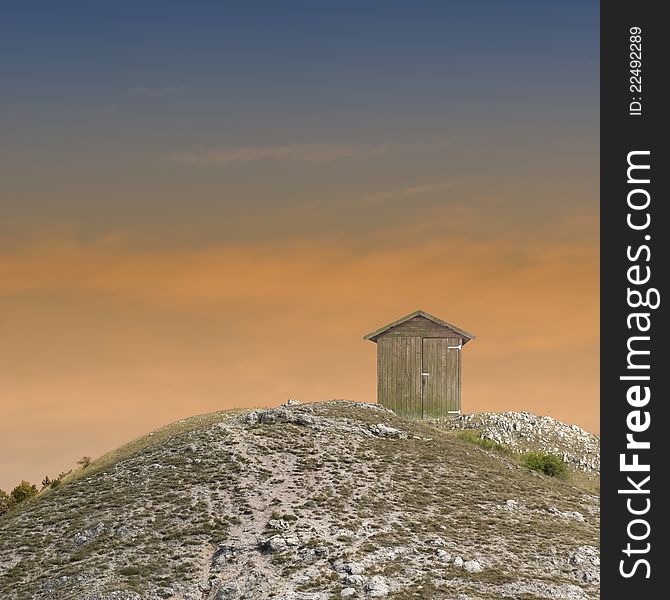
(207, 205)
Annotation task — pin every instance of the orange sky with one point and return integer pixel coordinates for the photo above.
(103, 341)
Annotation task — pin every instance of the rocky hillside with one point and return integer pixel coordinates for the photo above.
(523, 432)
(303, 502)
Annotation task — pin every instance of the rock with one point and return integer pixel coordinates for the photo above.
(443, 555)
(354, 580)
(310, 554)
(458, 561)
(472, 566)
(224, 554)
(573, 514)
(292, 402)
(250, 418)
(125, 531)
(115, 595)
(275, 544)
(376, 587)
(382, 430)
(277, 415)
(83, 537)
(540, 589)
(279, 524)
(353, 568)
(512, 505)
(228, 591)
(191, 448)
(284, 415)
(586, 563)
(347, 592)
(305, 420)
(248, 585)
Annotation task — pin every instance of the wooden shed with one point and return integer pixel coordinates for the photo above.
(419, 366)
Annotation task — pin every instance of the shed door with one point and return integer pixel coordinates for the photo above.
(399, 375)
(441, 375)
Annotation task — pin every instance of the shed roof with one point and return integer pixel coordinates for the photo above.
(417, 313)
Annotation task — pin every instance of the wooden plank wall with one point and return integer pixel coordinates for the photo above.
(452, 361)
(399, 374)
(457, 398)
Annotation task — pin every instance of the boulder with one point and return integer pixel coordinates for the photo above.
(377, 587)
(472, 566)
(381, 430)
(353, 568)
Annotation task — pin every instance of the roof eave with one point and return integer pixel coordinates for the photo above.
(418, 313)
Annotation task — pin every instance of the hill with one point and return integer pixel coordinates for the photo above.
(303, 502)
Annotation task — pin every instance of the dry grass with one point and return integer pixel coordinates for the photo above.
(192, 503)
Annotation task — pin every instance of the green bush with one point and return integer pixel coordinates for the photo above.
(23, 491)
(546, 463)
(5, 502)
(52, 483)
(84, 461)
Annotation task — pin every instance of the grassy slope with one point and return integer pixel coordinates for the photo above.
(168, 500)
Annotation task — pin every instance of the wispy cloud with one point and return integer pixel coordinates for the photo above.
(415, 190)
(321, 152)
(157, 92)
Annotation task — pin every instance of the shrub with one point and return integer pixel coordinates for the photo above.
(5, 502)
(52, 483)
(23, 491)
(84, 461)
(549, 464)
